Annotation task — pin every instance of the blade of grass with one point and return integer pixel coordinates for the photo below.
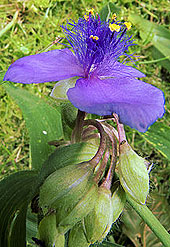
(9, 25)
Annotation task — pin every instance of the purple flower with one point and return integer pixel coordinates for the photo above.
(105, 86)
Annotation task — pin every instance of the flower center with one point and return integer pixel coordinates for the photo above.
(92, 40)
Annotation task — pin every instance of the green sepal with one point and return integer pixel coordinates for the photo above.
(60, 89)
(68, 114)
(77, 237)
(118, 202)
(60, 241)
(98, 222)
(83, 207)
(65, 185)
(48, 232)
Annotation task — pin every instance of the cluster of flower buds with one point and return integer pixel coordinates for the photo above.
(71, 192)
(87, 198)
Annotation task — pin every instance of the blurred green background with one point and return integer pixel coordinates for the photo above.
(31, 26)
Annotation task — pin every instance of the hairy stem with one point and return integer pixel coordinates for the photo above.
(77, 132)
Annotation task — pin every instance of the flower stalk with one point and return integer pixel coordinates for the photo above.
(151, 221)
(95, 160)
(77, 132)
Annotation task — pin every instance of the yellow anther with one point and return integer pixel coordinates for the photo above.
(128, 25)
(94, 37)
(86, 17)
(90, 11)
(114, 16)
(114, 27)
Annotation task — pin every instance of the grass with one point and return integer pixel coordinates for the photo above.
(30, 26)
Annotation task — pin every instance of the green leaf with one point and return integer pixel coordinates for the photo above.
(107, 10)
(152, 32)
(18, 231)
(16, 192)
(159, 136)
(38, 3)
(42, 120)
(31, 225)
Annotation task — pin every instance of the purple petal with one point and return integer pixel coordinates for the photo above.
(115, 69)
(137, 103)
(48, 66)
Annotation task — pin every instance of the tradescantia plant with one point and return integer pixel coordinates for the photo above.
(82, 188)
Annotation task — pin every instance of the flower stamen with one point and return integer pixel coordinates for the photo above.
(90, 11)
(114, 27)
(94, 37)
(114, 16)
(86, 17)
(128, 25)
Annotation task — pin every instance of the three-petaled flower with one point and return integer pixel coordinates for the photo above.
(105, 86)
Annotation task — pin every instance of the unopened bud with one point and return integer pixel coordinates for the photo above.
(77, 237)
(48, 232)
(133, 173)
(98, 222)
(118, 202)
(69, 181)
(81, 209)
(65, 188)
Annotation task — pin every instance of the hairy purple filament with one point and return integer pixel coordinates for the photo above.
(90, 52)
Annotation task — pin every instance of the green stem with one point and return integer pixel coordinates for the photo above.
(151, 221)
(155, 61)
(77, 132)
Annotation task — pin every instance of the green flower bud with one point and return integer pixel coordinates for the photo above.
(60, 241)
(71, 192)
(48, 232)
(65, 186)
(98, 222)
(80, 210)
(133, 174)
(77, 237)
(118, 202)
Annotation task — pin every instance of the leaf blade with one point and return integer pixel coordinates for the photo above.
(16, 192)
(159, 136)
(42, 120)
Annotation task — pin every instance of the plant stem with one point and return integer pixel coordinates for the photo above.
(120, 129)
(102, 166)
(151, 221)
(77, 132)
(95, 160)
